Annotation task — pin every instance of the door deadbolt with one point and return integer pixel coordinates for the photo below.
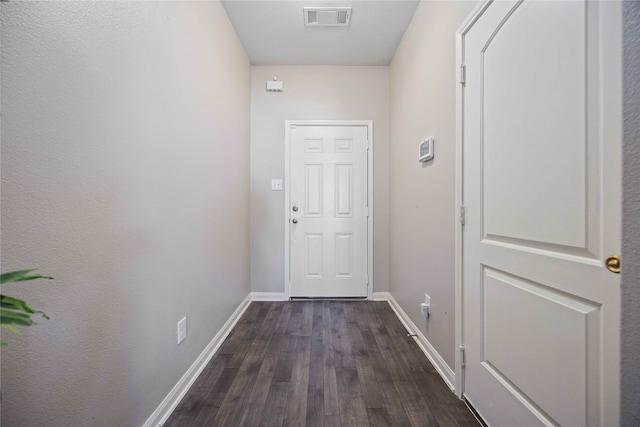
(295, 209)
(614, 264)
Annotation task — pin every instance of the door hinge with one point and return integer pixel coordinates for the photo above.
(461, 348)
(462, 215)
(462, 77)
(368, 144)
(366, 210)
(367, 279)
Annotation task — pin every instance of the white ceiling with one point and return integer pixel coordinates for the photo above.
(273, 32)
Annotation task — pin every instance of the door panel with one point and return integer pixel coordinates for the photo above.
(516, 336)
(344, 190)
(328, 241)
(516, 143)
(314, 193)
(313, 249)
(313, 145)
(344, 145)
(344, 254)
(541, 192)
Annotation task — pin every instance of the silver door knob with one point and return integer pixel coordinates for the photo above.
(295, 221)
(295, 209)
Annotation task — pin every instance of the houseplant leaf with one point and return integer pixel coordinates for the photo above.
(21, 275)
(14, 311)
(17, 304)
(10, 317)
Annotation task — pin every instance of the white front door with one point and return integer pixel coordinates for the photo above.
(541, 190)
(328, 211)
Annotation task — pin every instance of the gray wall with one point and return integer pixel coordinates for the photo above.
(312, 93)
(422, 211)
(631, 218)
(125, 175)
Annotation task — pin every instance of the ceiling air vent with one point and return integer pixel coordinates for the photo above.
(327, 16)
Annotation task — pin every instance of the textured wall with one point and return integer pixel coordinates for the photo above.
(312, 93)
(631, 218)
(422, 211)
(125, 175)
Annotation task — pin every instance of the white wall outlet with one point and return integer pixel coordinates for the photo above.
(425, 307)
(182, 329)
(276, 185)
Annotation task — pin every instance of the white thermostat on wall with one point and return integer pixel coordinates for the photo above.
(426, 150)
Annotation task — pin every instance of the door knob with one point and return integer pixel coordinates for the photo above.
(614, 264)
(295, 209)
(295, 221)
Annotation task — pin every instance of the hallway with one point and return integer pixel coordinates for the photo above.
(146, 166)
(315, 363)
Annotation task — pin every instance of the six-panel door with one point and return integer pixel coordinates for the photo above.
(328, 212)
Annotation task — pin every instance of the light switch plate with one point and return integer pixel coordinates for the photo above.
(276, 185)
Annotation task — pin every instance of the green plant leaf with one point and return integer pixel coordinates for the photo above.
(19, 276)
(15, 311)
(10, 317)
(19, 305)
(11, 328)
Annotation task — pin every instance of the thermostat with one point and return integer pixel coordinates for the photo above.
(426, 150)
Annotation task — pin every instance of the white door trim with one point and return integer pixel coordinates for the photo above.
(287, 194)
(459, 193)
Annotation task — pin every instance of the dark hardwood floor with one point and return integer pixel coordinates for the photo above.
(320, 363)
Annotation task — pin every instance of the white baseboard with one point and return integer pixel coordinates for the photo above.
(161, 414)
(381, 296)
(268, 296)
(434, 357)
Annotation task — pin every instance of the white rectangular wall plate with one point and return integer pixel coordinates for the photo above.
(426, 150)
(276, 185)
(182, 329)
(425, 307)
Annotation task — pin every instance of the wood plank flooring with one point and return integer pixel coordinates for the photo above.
(320, 363)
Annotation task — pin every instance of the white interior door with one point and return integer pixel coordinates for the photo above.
(328, 211)
(541, 160)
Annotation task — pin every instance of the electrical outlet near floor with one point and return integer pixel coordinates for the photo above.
(182, 329)
(425, 307)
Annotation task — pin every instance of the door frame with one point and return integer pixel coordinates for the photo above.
(468, 23)
(287, 195)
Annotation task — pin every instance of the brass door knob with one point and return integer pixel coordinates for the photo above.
(614, 264)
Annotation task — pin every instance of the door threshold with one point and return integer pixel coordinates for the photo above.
(327, 298)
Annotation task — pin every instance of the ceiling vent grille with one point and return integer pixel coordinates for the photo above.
(327, 16)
